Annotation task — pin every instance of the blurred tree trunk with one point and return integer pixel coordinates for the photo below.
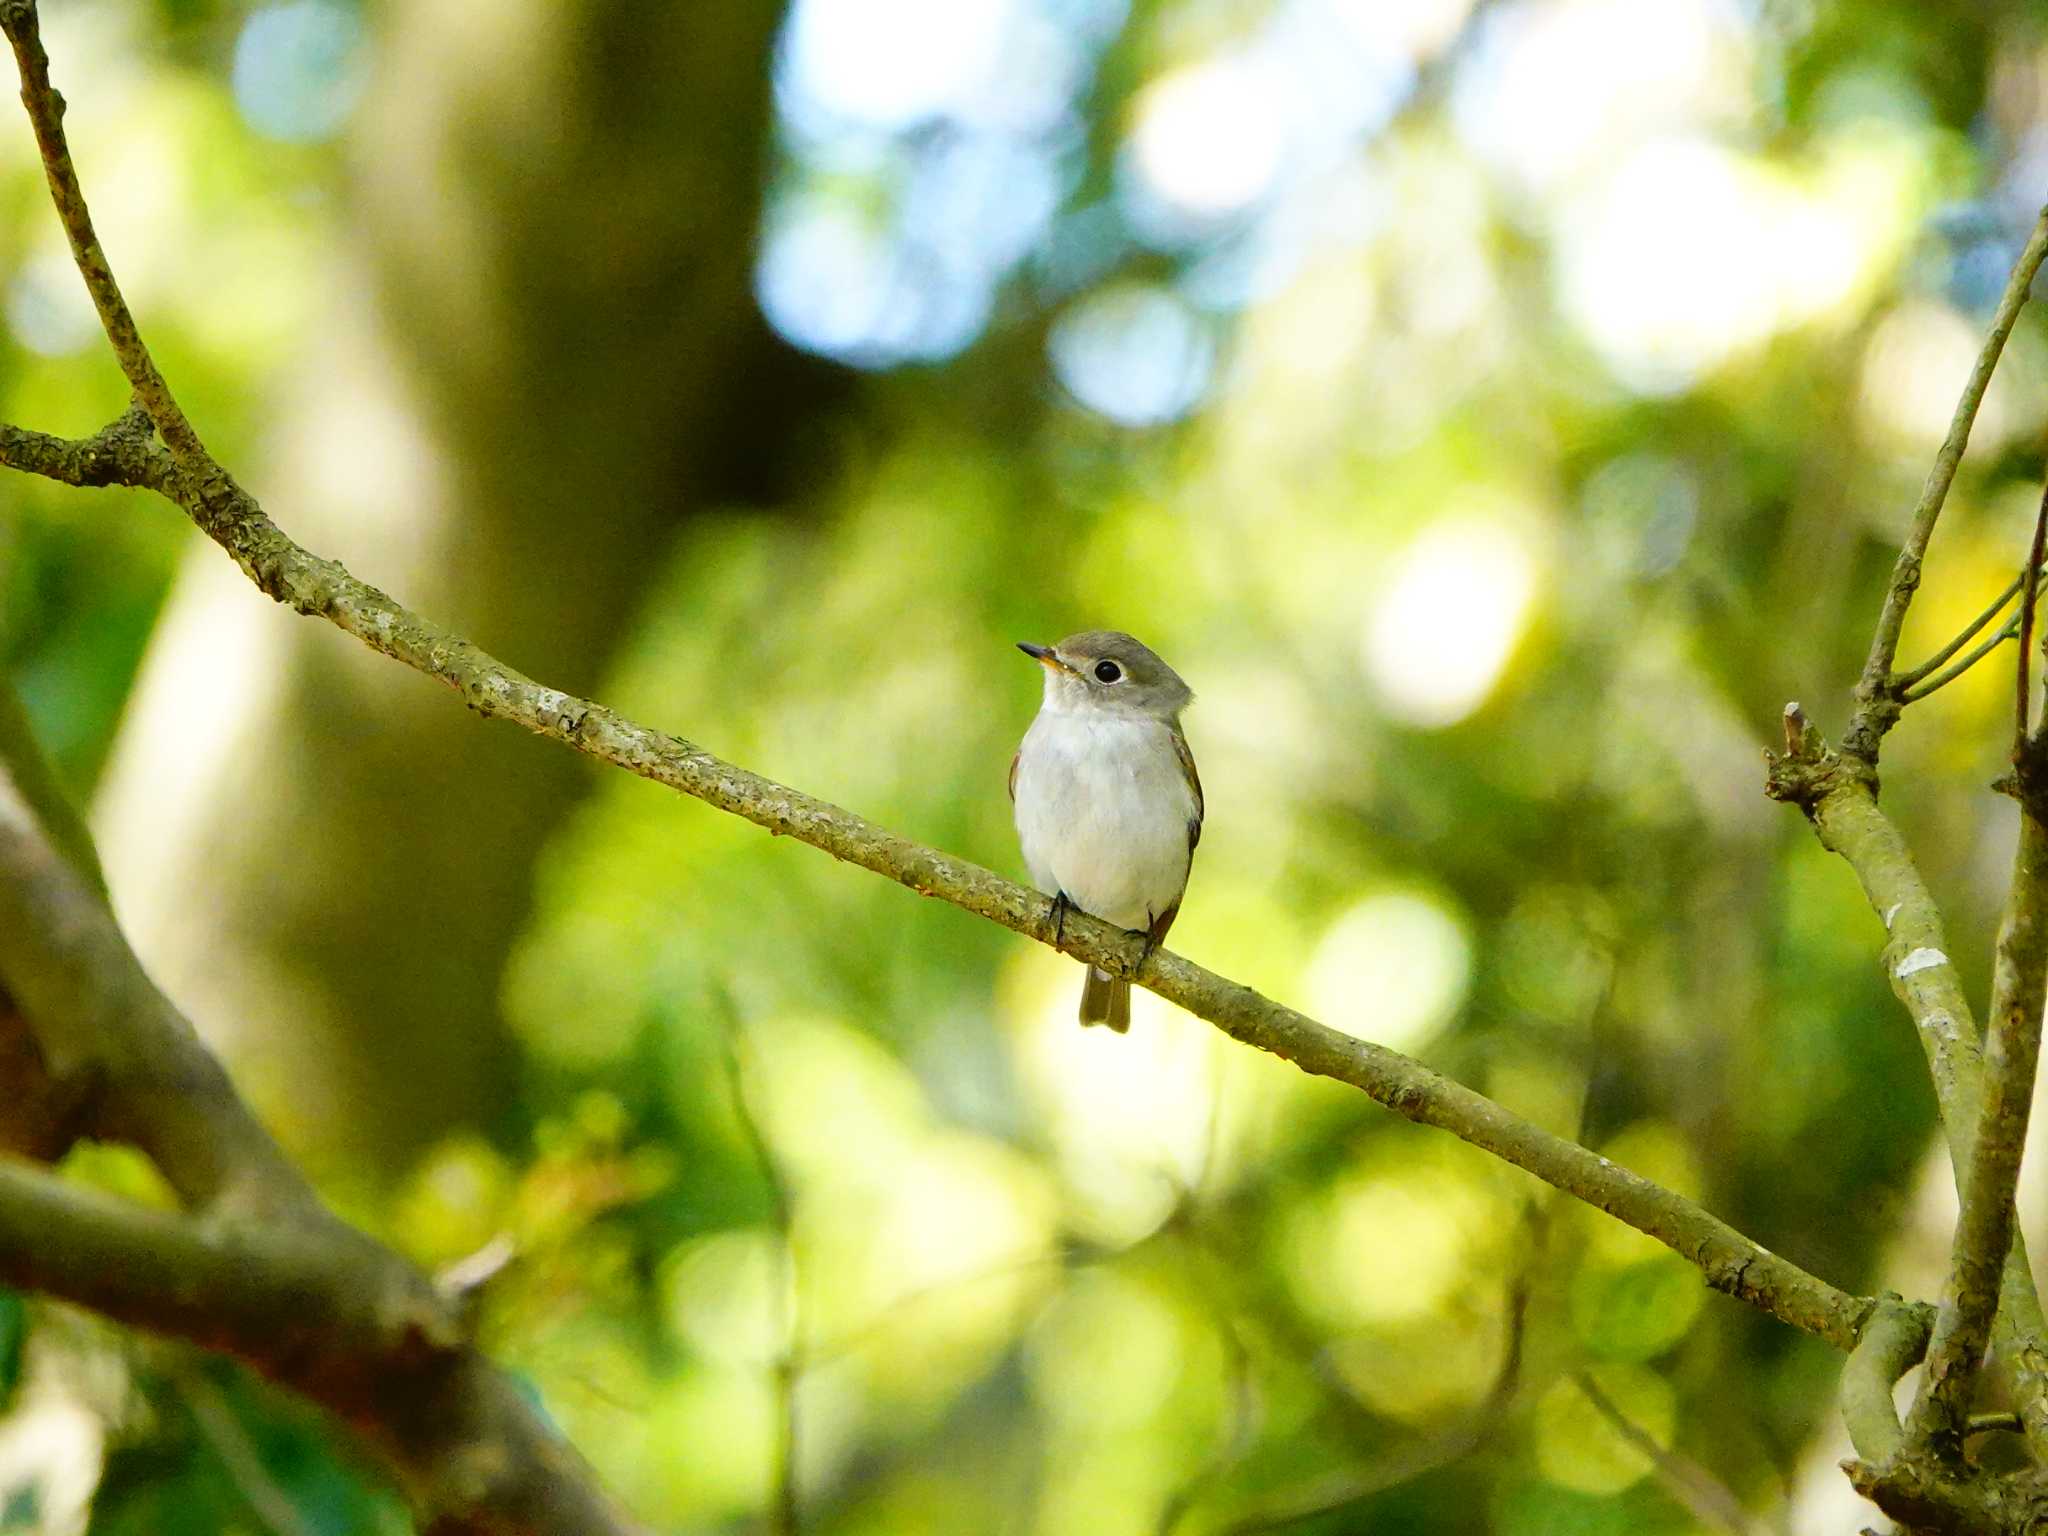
(561, 364)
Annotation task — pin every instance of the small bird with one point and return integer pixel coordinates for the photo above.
(1109, 808)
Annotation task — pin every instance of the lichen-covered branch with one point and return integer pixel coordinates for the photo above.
(45, 109)
(84, 995)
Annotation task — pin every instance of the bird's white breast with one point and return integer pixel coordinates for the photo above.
(1103, 808)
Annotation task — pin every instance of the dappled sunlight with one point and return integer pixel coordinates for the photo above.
(1136, 354)
(48, 309)
(1913, 368)
(299, 69)
(1430, 1368)
(724, 1296)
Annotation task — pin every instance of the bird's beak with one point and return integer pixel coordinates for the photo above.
(1044, 655)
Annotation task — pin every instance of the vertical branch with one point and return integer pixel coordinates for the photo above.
(2030, 580)
(1984, 1228)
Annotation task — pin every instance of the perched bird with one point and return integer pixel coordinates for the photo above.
(1108, 805)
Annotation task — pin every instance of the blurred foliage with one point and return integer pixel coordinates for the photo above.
(1496, 413)
(13, 1332)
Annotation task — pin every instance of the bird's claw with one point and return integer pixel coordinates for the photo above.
(1057, 916)
(1146, 949)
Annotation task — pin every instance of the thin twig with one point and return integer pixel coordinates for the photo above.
(1340, 1491)
(1711, 1501)
(1942, 679)
(2032, 576)
(46, 115)
(238, 1456)
(786, 1327)
(1877, 704)
(1905, 680)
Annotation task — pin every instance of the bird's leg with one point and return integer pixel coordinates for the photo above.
(1057, 916)
(1152, 937)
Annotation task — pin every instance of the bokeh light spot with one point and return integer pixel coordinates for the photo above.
(723, 1295)
(47, 307)
(1440, 636)
(1392, 969)
(891, 64)
(1209, 139)
(299, 69)
(1133, 352)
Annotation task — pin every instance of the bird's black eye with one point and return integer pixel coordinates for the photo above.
(1107, 671)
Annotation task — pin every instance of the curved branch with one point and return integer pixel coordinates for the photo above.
(1893, 1342)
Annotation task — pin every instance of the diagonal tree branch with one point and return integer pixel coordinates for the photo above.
(319, 587)
(261, 1270)
(323, 588)
(62, 966)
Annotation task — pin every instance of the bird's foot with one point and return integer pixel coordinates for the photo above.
(1057, 916)
(1150, 935)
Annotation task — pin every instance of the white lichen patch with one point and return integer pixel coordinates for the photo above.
(1919, 960)
(1891, 912)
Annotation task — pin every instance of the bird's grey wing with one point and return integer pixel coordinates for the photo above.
(1187, 767)
(1016, 758)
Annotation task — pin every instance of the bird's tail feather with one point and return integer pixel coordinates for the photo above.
(1106, 999)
